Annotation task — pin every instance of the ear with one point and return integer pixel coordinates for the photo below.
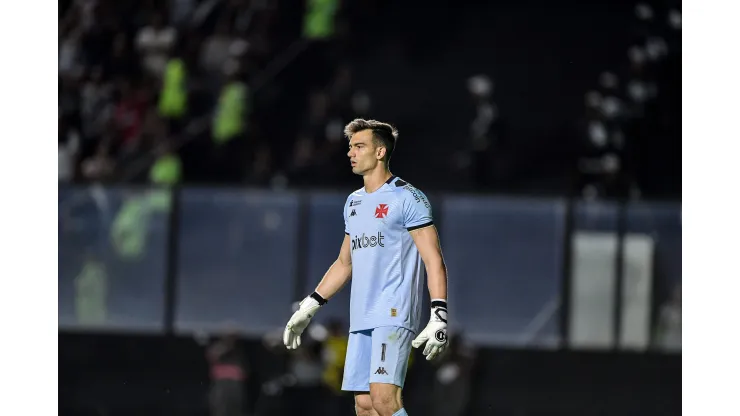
(380, 153)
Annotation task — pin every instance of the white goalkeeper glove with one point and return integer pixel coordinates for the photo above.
(300, 320)
(435, 333)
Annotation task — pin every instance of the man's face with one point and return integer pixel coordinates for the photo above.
(363, 155)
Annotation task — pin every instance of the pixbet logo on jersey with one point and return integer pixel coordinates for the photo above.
(363, 241)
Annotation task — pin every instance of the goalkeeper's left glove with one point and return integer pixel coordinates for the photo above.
(435, 333)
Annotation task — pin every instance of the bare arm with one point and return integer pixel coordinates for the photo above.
(427, 242)
(338, 274)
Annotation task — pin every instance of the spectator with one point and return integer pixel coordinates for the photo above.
(611, 104)
(86, 10)
(130, 228)
(122, 62)
(69, 145)
(674, 19)
(313, 129)
(173, 100)
(333, 354)
(167, 169)
(215, 51)
(155, 42)
(69, 53)
(100, 166)
(669, 328)
(153, 129)
(639, 88)
(319, 29)
(165, 172)
(69, 102)
(483, 138)
(253, 21)
(91, 292)
(340, 91)
(229, 127)
(129, 117)
(595, 128)
(96, 105)
(305, 366)
(318, 22)
(228, 373)
(452, 384)
(181, 10)
(98, 32)
(347, 102)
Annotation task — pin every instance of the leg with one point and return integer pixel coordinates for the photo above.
(364, 405)
(386, 399)
(391, 348)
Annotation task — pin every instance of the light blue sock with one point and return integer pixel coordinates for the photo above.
(401, 412)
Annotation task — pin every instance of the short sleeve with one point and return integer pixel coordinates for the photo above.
(417, 211)
(344, 214)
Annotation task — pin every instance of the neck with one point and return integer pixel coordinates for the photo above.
(375, 179)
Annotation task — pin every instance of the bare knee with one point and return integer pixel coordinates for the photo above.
(386, 402)
(364, 405)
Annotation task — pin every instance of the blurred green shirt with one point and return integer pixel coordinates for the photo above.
(231, 112)
(318, 21)
(91, 293)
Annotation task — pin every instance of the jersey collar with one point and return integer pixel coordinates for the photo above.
(388, 182)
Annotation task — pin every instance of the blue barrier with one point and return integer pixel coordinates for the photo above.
(238, 259)
(504, 260)
(112, 258)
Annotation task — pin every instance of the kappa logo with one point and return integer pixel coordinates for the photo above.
(353, 213)
(381, 211)
(381, 370)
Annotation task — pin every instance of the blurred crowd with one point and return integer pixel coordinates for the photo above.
(632, 116)
(165, 91)
(257, 92)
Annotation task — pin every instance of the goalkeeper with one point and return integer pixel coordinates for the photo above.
(388, 233)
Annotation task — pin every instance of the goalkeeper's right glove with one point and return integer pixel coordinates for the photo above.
(300, 320)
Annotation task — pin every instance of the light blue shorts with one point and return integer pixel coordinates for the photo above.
(379, 355)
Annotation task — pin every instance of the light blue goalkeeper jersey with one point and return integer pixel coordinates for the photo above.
(387, 270)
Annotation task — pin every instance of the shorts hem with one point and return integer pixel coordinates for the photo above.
(357, 390)
(395, 383)
(367, 389)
